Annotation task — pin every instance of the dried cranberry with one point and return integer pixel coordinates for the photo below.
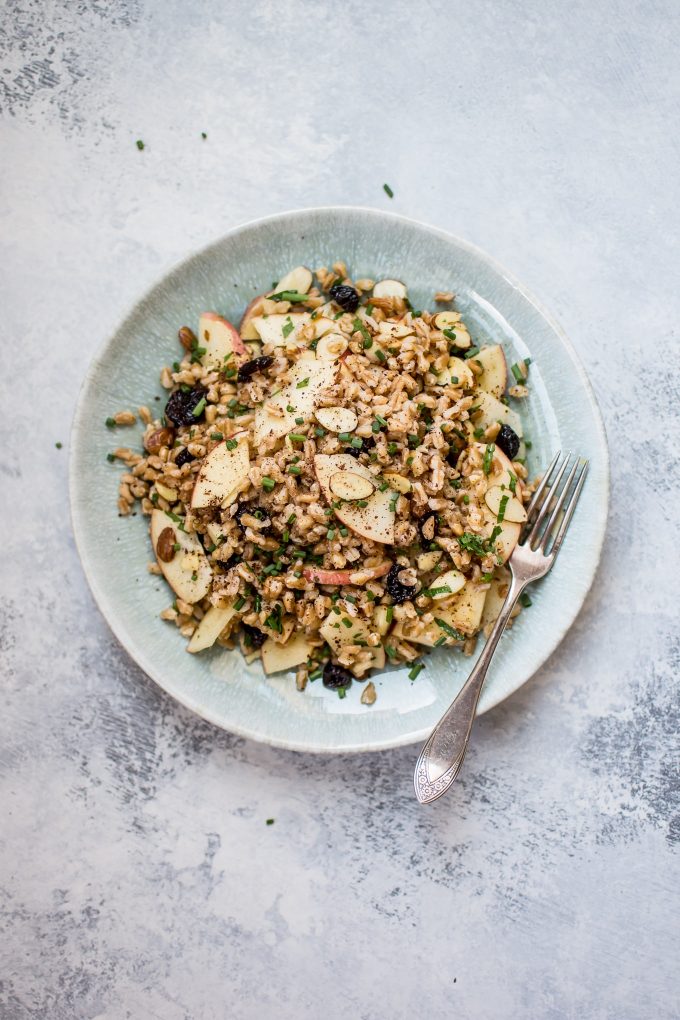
(345, 296)
(508, 440)
(182, 404)
(397, 591)
(183, 457)
(245, 508)
(335, 676)
(254, 637)
(249, 368)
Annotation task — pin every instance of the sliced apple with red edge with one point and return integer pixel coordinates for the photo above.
(374, 520)
(187, 569)
(461, 613)
(338, 635)
(222, 473)
(210, 627)
(253, 309)
(309, 378)
(276, 657)
(494, 377)
(345, 577)
(219, 339)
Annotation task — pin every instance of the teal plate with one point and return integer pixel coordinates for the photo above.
(560, 413)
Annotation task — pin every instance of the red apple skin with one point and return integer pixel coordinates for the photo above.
(342, 576)
(252, 309)
(237, 345)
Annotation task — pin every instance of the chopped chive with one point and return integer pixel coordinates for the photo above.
(330, 534)
(392, 449)
(357, 443)
(287, 327)
(344, 437)
(448, 629)
(518, 373)
(316, 674)
(240, 603)
(375, 426)
(391, 652)
(440, 641)
(383, 487)
(488, 457)
(110, 458)
(342, 692)
(295, 437)
(381, 421)
(110, 423)
(413, 440)
(501, 508)
(368, 343)
(303, 382)
(389, 614)
(379, 355)
(418, 668)
(525, 600)
(471, 353)
(388, 191)
(359, 327)
(344, 532)
(200, 408)
(513, 483)
(294, 469)
(319, 432)
(285, 537)
(268, 483)
(431, 592)
(289, 408)
(291, 519)
(393, 504)
(361, 503)
(294, 296)
(216, 435)
(140, 144)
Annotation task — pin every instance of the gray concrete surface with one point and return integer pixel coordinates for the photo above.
(138, 877)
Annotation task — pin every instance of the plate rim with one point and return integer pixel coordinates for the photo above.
(77, 433)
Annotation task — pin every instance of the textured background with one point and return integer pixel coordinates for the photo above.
(138, 876)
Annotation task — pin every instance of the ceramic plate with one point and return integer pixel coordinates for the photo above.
(561, 413)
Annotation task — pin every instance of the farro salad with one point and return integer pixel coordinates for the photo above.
(337, 484)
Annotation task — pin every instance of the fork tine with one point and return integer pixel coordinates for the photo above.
(555, 515)
(533, 533)
(571, 506)
(544, 481)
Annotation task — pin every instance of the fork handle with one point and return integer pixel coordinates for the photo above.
(442, 756)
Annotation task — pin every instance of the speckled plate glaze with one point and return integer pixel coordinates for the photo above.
(561, 413)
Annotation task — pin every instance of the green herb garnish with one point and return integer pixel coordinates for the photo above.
(268, 483)
(488, 457)
(388, 191)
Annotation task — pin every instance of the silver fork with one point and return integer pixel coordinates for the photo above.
(551, 508)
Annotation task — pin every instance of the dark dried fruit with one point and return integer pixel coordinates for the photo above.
(158, 438)
(165, 546)
(508, 441)
(428, 527)
(181, 405)
(397, 591)
(345, 296)
(249, 368)
(367, 443)
(187, 338)
(245, 508)
(453, 455)
(336, 676)
(254, 637)
(183, 457)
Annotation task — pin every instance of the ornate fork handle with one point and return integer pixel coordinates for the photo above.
(442, 756)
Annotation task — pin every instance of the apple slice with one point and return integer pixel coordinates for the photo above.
(389, 288)
(350, 485)
(513, 509)
(187, 571)
(309, 378)
(451, 579)
(492, 410)
(447, 320)
(276, 658)
(338, 635)
(222, 473)
(337, 419)
(457, 373)
(494, 378)
(376, 519)
(464, 611)
(343, 577)
(495, 597)
(428, 561)
(331, 346)
(210, 628)
(298, 280)
(322, 325)
(246, 328)
(219, 338)
(276, 329)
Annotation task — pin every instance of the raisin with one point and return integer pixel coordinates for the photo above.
(160, 437)
(508, 440)
(183, 457)
(335, 676)
(345, 296)
(181, 406)
(367, 443)
(245, 508)
(249, 368)
(397, 591)
(254, 637)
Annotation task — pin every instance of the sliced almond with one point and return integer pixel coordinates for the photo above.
(331, 346)
(452, 579)
(456, 373)
(389, 288)
(463, 338)
(514, 511)
(446, 320)
(381, 620)
(298, 279)
(397, 482)
(166, 492)
(350, 486)
(394, 330)
(337, 419)
(322, 325)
